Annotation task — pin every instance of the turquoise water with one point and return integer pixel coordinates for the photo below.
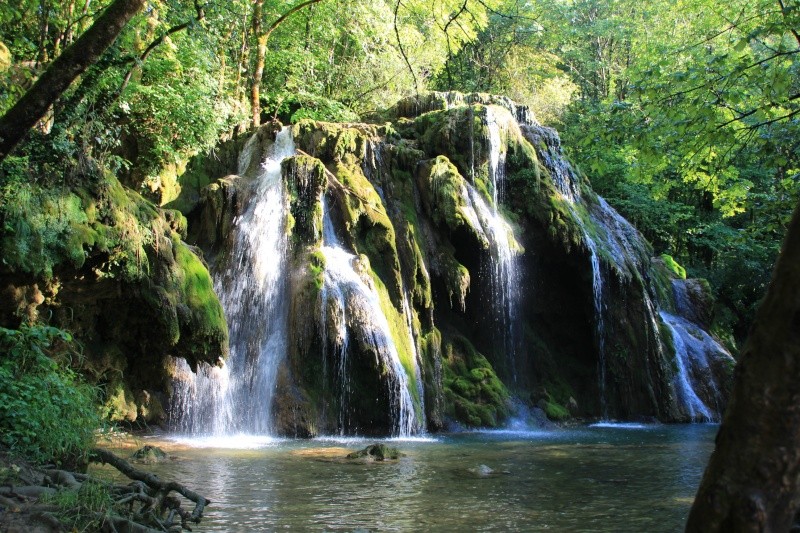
(617, 478)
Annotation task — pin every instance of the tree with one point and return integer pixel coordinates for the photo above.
(262, 37)
(59, 75)
(752, 482)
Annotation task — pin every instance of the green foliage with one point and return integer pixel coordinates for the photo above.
(293, 107)
(85, 508)
(46, 412)
(175, 108)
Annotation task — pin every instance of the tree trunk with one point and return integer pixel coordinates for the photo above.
(261, 51)
(56, 79)
(261, 54)
(752, 482)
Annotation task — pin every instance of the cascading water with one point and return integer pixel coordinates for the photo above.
(599, 314)
(354, 305)
(504, 275)
(252, 286)
(692, 346)
(497, 158)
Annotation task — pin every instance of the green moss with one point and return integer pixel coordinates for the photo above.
(661, 277)
(49, 228)
(204, 324)
(119, 404)
(677, 270)
(316, 265)
(555, 411)
(334, 142)
(177, 222)
(474, 394)
(368, 224)
(443, 190)
(456, 278)
(306, 180)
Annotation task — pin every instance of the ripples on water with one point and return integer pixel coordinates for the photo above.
(605, 477)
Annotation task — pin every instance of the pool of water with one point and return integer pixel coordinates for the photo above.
(596, 478)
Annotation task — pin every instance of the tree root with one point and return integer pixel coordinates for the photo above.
(146, 505)
(158, 490)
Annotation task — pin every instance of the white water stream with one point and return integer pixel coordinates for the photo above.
(355, 304)
(251, 284)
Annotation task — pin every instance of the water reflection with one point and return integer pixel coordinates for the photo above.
(586, 479)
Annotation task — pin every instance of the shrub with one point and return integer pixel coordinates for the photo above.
(47, 414)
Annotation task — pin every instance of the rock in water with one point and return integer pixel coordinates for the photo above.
(376, 452)
(482, 471)
(149, 455)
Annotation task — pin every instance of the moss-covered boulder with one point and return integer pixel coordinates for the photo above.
(376, 452)
(108, 265)
(149, 455)
(306, 180)
(475, 395)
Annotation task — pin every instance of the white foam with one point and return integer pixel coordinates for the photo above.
(622, 425)
(231, 442)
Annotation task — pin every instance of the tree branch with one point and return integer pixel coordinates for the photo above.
(152, 46)
(402, 51)
(79, 56)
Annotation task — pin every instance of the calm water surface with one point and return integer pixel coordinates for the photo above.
(619, 478)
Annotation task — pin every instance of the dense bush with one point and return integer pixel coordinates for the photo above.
(47, 413)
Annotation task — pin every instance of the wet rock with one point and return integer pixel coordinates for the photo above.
(149, 455)
(376, 452)
(572, 406)
(482, 471)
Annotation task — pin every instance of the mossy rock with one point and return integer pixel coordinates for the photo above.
(305, 180)
(444, 196)
(368, 225)
(677, 270)
(222, 160)
(122, 279)
(376, 452)
(149, 455)
(332, 142)
(120, 404)
(474, 395)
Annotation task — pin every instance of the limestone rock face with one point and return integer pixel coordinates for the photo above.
(112, 268)
(438, 266)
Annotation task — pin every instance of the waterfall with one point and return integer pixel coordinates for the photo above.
(356, 309)
(415, 357)
(687, 356)
(497, 158)
(504, 272)
(252, 285)
(695, 383)
(599, 312)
